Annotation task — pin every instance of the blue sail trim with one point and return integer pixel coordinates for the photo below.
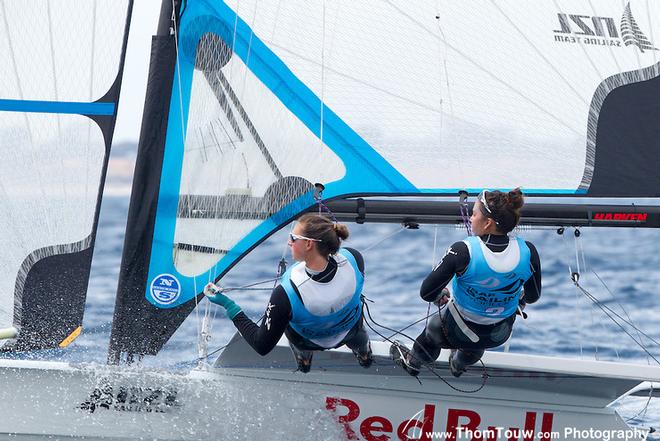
(367, 172)
(64, 107)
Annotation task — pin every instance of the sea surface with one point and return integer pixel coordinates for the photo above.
(619, 267)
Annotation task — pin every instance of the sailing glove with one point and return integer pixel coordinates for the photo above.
(215, 295)
(442, 299)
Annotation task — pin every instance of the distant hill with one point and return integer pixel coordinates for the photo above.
(124, 150)
(120, 169)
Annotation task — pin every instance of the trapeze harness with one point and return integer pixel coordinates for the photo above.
(489, 290)
(324, 313)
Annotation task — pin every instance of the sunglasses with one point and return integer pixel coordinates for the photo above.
(482, 198)
(295, 237)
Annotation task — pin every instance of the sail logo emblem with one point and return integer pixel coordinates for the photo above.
(602, 31)
(165, 289)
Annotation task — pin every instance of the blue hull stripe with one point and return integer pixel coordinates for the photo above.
(68, 107)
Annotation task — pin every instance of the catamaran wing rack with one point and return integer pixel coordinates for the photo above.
(535, 214)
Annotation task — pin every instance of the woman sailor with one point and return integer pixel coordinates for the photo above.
(489, 271)
(318, 302)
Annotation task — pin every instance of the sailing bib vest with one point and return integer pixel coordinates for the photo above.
(491, 285)
(327, 309)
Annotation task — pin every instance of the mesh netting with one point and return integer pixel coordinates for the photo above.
(64, 50)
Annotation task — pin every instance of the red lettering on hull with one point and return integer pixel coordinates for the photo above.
(453, 419)
(352, 412)
(375, 424)
(420, 426)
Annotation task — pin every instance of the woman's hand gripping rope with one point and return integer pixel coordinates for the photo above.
(442, 299)
(214, 294)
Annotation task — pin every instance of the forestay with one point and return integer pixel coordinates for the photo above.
(59, 83)
(384, 98)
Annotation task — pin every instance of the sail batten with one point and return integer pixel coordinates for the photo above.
(61, 107)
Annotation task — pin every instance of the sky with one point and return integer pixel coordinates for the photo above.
(131, 101)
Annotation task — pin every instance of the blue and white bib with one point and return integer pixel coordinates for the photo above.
(491, 285)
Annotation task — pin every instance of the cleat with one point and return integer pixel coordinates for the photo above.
(401, 356)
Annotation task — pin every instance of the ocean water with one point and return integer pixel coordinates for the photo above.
(619, 267)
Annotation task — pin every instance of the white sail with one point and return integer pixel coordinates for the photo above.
(59, 61)
(379, 98)
(449, 96)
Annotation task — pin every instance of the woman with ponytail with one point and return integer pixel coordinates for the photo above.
(493, 277)
(318, 301)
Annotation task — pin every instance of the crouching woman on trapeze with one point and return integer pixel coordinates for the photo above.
(318, 302)
(488, 272)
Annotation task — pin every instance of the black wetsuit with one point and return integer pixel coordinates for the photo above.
(442, 331)
(264, 337)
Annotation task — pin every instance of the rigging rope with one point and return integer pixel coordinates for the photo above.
(318, 198)
(429, 366)
(322, 80)
(384, 238)
(465, 211)
(435, 243)
(609, 312)
(561, 231)
(607, 288)
(580, 263)
(582, 257)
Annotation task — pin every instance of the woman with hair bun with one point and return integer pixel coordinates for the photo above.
(492, 277)
(318, 301)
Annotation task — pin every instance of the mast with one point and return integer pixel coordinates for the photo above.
(130, 304)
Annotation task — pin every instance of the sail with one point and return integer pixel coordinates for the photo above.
(382, 98)
(60, 75)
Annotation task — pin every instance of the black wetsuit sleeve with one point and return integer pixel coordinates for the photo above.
(264, 337)
(358, 258)
(455, 261)
(533, 284)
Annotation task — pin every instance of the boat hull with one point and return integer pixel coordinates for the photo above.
(246, 396)
(521, 397)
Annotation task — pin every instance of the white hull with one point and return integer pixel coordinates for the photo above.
(49, 400)
(254, 397)
(527, 397)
